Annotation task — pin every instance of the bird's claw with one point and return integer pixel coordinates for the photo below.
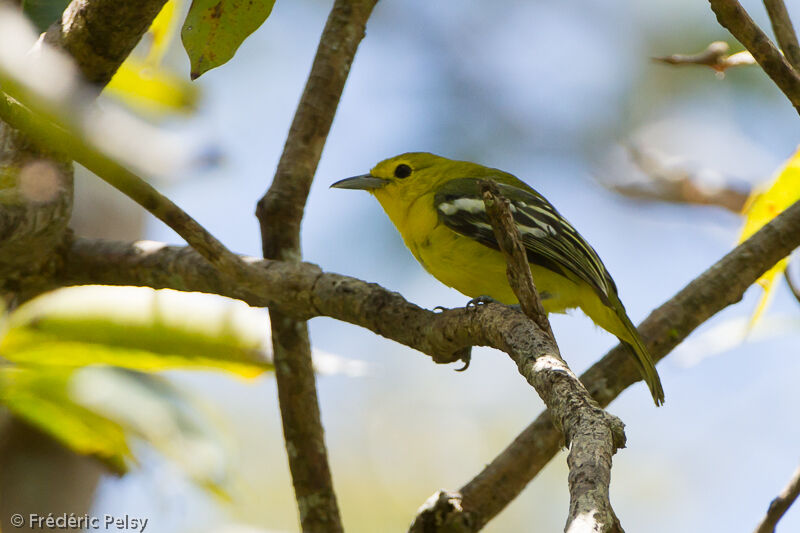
(466, 357)
(480, 300)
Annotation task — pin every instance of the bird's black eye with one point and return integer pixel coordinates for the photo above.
(402, 171)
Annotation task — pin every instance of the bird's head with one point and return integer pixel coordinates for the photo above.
(408, 176)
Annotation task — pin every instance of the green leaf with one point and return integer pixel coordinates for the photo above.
(44, 12)
(137, 328)
(42, 398)
(214, 30)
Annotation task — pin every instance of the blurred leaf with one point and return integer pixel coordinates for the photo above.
(764, 204)
(214, 30)
(168, 419)
(163, 30)
(143, 83)
(152, 89)
(41, 397)
(44, 12)
(137, 328)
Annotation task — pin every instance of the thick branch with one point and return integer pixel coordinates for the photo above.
(733, 16)
(781, 504)
(280, 213)
(784, 31)
(32, 228)
(303, 291)
(100, 34)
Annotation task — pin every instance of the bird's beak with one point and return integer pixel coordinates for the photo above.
(365, 182)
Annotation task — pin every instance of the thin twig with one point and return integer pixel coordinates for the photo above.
(280, 213)
(792, 285)
(784, 31)
(675, 185)
(715, 56)
(510, 242)
(781, 504)
(592, 435)
(733, 16)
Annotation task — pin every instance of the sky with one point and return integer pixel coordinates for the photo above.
(552, 93)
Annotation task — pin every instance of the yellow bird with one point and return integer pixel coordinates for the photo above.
(436, 205)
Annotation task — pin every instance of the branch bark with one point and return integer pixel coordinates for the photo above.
(733, 16)
(280, 213)
(100, 34)
(781, 504)
(784, 31)
(302, 290)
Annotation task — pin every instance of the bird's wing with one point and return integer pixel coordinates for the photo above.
(549, 240)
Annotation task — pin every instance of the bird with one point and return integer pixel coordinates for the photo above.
(437, 206)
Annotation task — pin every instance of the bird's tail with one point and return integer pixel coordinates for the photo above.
(611, 316)
(643, 360)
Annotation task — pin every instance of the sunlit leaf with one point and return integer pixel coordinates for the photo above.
(765, 204)
(137, 328)
(143, 83)
(42, 398)
(152, 89)
(214, 30)
(163, 30)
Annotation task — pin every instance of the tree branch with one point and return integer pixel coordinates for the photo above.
(518, 270)
(667, 183)
(302, 291)
(790, 282)
(714, 56)
(781, 504)
(280, 213)
(733, 16)
(32, 228)
(592, 435)
(784, 31)
(100, 34)
(69, 146)
(721, 285)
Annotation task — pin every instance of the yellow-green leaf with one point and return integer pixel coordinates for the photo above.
(151, 89)
(214, 30)
(41, 397)
(765, 204)
(137, 328)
